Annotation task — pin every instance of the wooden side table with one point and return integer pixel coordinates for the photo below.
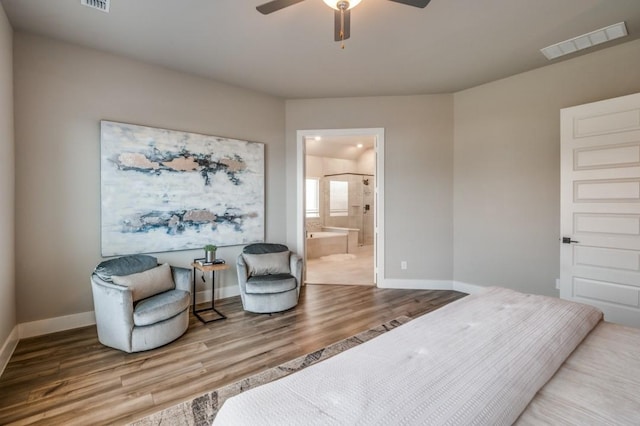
(212, 269)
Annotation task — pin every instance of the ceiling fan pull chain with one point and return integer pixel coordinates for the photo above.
(342, 28)
(342, 5)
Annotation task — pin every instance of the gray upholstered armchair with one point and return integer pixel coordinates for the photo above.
(269, 276)
(140, 305)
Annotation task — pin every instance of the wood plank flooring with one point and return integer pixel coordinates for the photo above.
(70, 378)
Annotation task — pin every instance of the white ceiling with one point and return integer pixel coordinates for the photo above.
(394, 49)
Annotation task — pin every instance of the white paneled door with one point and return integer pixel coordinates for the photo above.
(600, 207)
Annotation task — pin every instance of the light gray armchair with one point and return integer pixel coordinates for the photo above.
(140, 305)
(269, 276)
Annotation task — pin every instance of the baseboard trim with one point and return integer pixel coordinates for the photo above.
(8, 348)
(83, 319)
(53, 325)
(432, 285)
(416, 284)
(468, 287)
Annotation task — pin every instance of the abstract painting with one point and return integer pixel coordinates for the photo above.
(165, 190)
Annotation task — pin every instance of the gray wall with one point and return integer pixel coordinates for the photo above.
(507, 166)
(7, 174)
(61, 94)
(472, 179)
(418, 173)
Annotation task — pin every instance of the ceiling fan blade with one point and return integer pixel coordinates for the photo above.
(416, 3)
(346, 29)
(275, 5)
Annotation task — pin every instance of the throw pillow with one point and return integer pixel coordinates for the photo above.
(148, 283)
(125, 265)
(268, 263)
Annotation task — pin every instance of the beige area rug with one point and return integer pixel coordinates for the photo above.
(203, 409)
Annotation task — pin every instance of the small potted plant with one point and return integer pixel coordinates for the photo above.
(210, 252)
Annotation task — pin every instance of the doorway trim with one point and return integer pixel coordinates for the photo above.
(378, 210)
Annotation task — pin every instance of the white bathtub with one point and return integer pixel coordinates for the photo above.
(352, 233)
(323, 243)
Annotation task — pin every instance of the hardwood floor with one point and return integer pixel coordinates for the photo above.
(70, 378)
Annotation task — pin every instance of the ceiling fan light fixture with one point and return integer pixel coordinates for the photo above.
(339, 4)
(341, 14)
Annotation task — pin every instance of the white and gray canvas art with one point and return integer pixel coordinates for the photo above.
(165, 190)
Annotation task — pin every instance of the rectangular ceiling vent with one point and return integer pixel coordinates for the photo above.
(585, 41)
(102, 5)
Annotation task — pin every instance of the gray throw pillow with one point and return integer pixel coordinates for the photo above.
(148, 283)
(125, 265)
(268, 263)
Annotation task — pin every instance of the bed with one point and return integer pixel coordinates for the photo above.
(496, 358)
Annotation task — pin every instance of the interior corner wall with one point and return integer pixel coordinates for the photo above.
(62, 91)
(418, 173)
(7, 183)
(507, 166)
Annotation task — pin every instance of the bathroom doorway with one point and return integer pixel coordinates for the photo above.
(339, 208)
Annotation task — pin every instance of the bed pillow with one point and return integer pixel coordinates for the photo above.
(268, 263)
(148, 283)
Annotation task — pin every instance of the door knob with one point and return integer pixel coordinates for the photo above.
(568, 240)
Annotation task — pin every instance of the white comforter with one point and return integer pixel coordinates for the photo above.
(479, 360)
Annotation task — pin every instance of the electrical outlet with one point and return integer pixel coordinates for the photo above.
(557, 283)
(403, 264)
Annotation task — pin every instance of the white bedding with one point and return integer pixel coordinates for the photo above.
(599, 384)
(479, 360)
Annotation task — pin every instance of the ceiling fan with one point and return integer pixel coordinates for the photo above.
(342, 14)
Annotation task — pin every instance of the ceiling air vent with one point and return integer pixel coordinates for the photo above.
(585, 41)
(102, 5)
